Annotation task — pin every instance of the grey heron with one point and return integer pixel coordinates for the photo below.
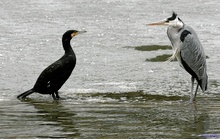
(188, 51)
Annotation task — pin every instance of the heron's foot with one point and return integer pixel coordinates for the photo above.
(192, 100)
(175, 53)
(169, 59)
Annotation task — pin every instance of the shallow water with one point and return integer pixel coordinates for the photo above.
(113, 91)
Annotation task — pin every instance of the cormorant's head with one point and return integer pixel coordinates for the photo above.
(173, 21)
(68, 35)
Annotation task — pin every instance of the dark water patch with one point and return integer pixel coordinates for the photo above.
(135, 96)
(151, 47)
(160, 58)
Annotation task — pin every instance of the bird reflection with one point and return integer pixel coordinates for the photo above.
(54, 114)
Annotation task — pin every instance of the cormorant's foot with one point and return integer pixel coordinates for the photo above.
(54, 97)
(20, 97)
(62, 98)
(57, 97)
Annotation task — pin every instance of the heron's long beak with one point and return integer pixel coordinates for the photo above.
(157, 24)
(77, 33)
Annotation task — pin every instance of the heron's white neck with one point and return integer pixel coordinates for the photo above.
(174, 27)
(173, 35)
(177, 23)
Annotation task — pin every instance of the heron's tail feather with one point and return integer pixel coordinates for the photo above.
(203, 83)
(23, 95)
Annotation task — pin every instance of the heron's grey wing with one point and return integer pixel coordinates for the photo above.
(192, 53)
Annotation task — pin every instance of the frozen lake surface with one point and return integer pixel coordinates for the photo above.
(113, 91)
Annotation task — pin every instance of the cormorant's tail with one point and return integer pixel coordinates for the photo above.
(23, 95)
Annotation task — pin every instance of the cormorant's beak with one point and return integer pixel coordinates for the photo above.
(77, 33)
(81, 32)
(158, 23)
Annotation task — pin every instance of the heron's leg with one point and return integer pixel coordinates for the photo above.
(194, 99)
(175, 52)
(191, 94)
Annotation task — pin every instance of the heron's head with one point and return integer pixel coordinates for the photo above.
(173, 21)
(68, 35)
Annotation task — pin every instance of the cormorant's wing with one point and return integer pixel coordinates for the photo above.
(54, 68)
(47, 75)
(55, 74)
(59, 68)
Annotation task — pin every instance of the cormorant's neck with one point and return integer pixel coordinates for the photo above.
(67, 47)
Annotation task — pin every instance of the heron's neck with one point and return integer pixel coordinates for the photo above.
(173, 35)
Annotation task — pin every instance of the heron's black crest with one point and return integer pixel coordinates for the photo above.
(173, 17)
(184, 34)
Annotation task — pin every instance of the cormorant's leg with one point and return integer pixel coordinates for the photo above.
(57, 95)
(194, 99)
(54, 97)
(191, 94)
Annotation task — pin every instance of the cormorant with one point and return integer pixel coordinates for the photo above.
(54, 76)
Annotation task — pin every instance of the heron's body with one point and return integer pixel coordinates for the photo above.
(188, 51)
(54, 76)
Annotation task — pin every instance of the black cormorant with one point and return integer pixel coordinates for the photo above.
(55, 75)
